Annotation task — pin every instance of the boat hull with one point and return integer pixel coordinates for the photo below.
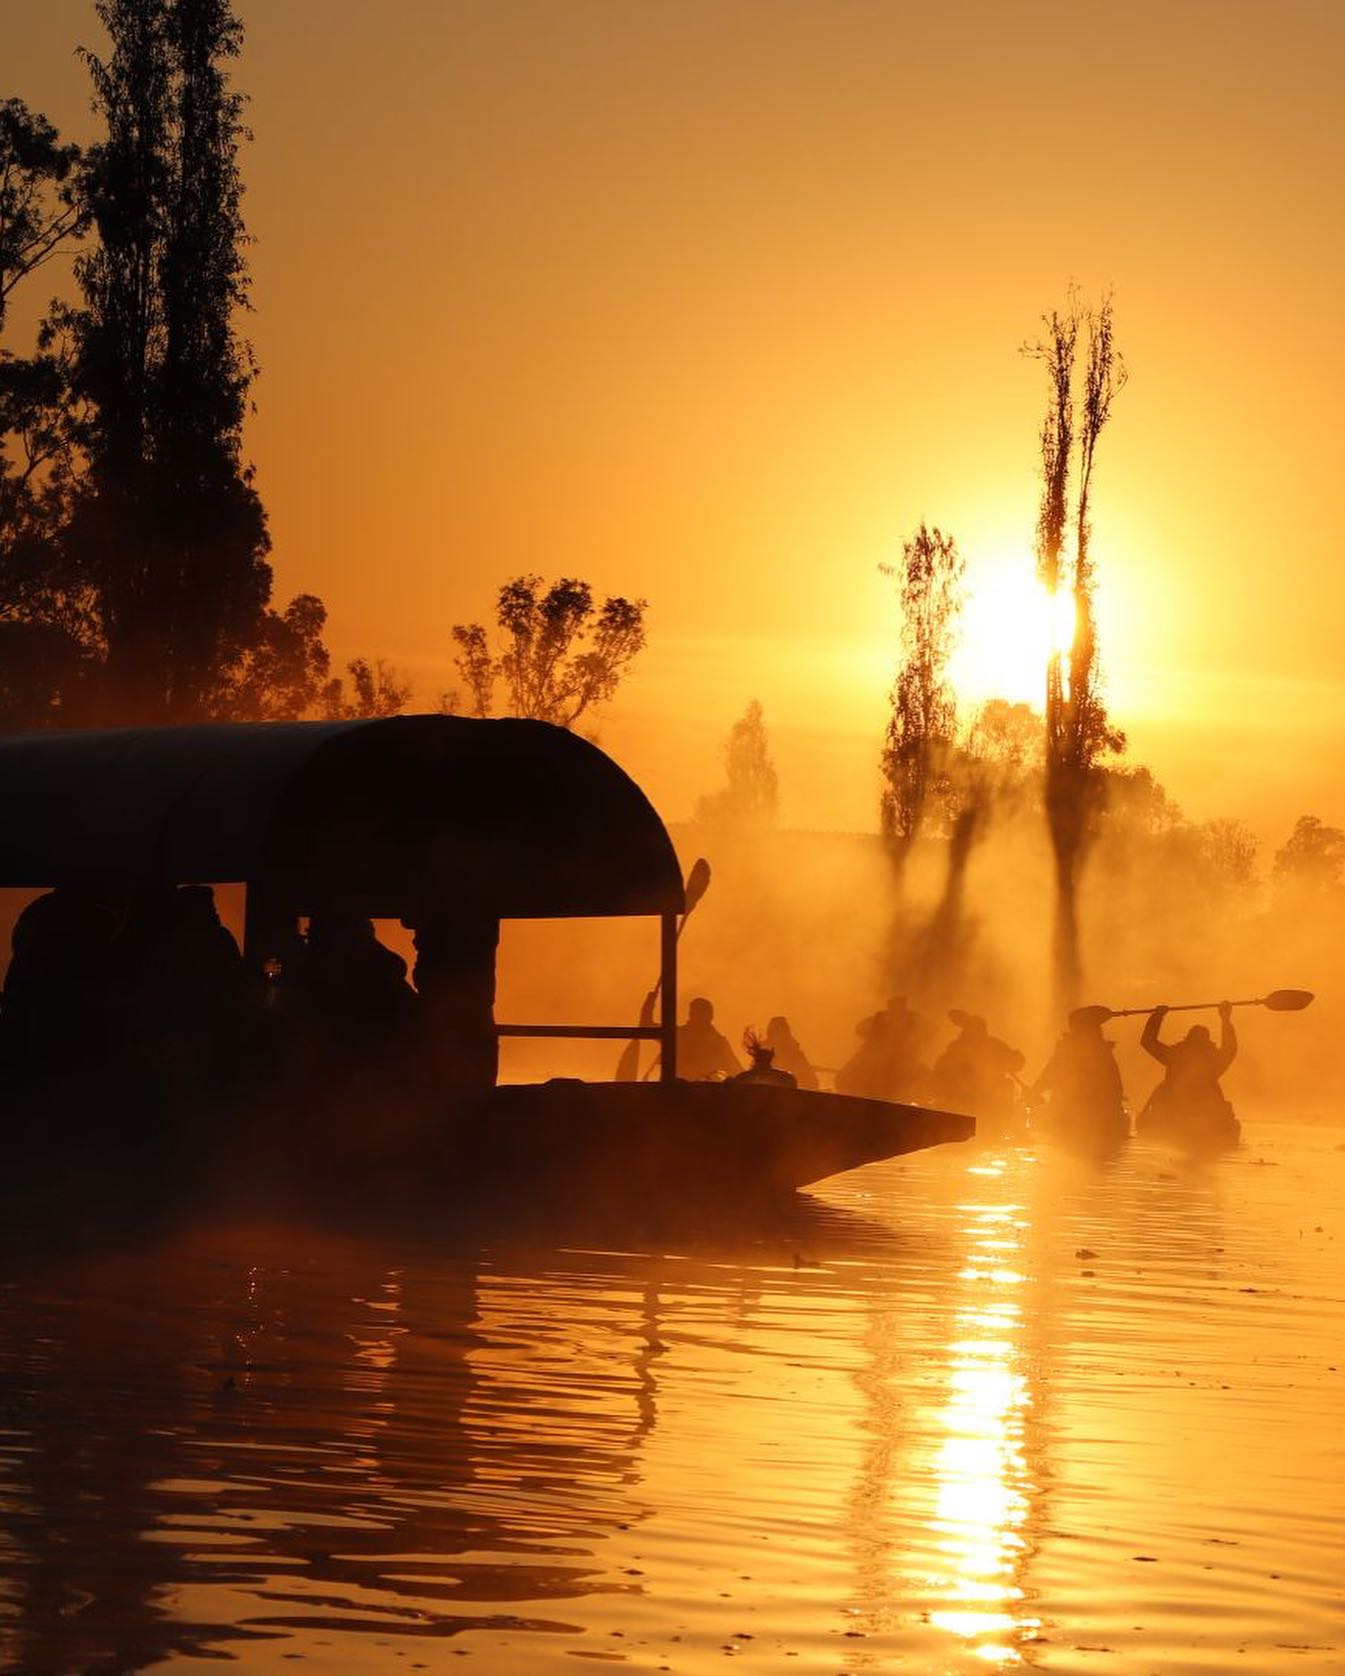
(708, 1138)
(639, 1146)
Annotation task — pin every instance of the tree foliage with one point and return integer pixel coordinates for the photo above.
(1312, 858)
(922, 729)
(134, 582)
(371, 689)
(48, 629)
(39, 210)
(557, 655)
(1084, 374)
(750, 796)
(171, 527)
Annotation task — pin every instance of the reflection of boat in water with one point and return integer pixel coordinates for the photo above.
(448, 821)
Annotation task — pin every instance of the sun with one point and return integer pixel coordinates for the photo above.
(1009, 628)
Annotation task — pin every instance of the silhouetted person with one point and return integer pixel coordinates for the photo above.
(180, 986)
(354, 990)
(198, 957)
(455, 982)
(975, 1072)
(888, 1063)
(1083, 1081)
(1189, 1103)
(789, 1056)
(702, 1052)
(55, 1015)
(760, 1065)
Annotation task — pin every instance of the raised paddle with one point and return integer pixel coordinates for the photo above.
(698, 882)
(1279, 1001)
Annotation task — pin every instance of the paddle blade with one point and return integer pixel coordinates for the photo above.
(628, 1066)
(1082, 1017)
(1287, 1000)
(698, 882)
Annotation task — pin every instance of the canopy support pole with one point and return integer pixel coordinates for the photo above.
(668, 999)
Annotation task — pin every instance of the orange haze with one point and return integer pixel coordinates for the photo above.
(714, 302)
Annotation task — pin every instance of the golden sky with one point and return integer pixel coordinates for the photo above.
(714, 300)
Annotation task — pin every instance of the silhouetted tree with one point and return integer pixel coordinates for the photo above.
(1227, 853)
(169, 527)
(1135, 801)
(922, 729)
(375, 689)
(557, 655)
(751, 796)
(1313, 857)
(39, 212)
(47, 632)
(284, 672)
(1078, 733)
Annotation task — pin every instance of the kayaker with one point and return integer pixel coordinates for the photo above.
(975, 1072)
(1082, 1082)
(887, 1064)
(702, 1052)
(1189, 1102)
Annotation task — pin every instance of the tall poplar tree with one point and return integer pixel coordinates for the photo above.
(1078, 731)
(170, 529)
(922, 728)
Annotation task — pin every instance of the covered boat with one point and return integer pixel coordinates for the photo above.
(517, 818)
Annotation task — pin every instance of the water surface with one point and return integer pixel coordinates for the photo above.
(966, 1410)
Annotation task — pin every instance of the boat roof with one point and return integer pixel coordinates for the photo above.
(518, 818)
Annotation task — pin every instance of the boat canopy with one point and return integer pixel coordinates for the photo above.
(519, 819)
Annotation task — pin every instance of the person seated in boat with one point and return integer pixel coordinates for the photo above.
(182, 985)
(789, 1056)
(888, 1063)
(454, 975)
(975, 1073)
(703, 1054)
(54, 1010)
(1081, 1081)
(761, 1067)
(1189, 1103)
(353, 990)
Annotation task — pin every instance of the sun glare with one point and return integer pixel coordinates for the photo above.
(1010, 626)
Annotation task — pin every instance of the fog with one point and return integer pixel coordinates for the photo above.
(812, 926)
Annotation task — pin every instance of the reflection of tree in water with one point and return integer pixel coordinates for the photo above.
(201, 1446)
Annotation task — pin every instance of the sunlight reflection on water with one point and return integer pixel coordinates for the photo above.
(982, 1487)
(966, 1410)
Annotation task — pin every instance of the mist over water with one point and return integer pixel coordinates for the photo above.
(811, 925)
(972, 1409)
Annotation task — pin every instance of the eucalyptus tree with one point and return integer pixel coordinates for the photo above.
(47, 630)
(557, 654)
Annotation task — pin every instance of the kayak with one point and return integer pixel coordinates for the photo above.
(1200, 1123)
(1080, 1128)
